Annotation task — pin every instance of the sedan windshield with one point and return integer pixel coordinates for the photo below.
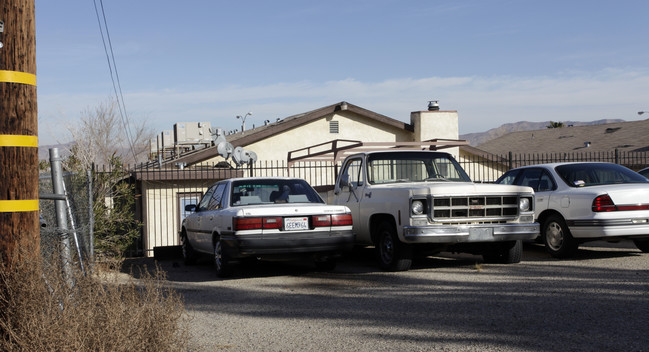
(413, 167)
(584, 175)
(267, 191)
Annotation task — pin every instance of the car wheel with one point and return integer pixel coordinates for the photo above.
(642, 244)
(221, 261)
(189, 255)
(557, 238)
(506, 253)
(391, 253)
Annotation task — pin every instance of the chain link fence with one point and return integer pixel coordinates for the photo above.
(75, 238)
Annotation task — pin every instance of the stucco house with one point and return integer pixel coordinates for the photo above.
(166, 187)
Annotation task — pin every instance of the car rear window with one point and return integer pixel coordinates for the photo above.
(584, 175)
(269, 191)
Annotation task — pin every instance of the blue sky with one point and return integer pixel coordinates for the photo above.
(494, 62)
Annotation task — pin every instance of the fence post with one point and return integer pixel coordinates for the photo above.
(91, 218)
(510, 160)
(617, 157)
(59, 206)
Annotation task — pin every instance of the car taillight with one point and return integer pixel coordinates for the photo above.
(321, 220)
(257, 223)
(603, 203)
(246, 223)
(273, 223)
(341, 220)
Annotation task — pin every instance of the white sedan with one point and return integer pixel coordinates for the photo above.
(586, 201)
(265, 218)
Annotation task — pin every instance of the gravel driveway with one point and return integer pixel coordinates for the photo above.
(598, 301)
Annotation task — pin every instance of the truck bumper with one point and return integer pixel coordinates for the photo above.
(470, 233)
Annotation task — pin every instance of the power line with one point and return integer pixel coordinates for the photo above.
(117, 87)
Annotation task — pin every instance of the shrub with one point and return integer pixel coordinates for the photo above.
(42, 309)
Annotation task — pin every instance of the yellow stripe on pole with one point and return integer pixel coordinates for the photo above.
(11, 140)
(17, 77)
(8, 206)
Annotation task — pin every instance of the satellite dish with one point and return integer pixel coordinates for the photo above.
(224, 149)
(238, 156)
(253, 157)
(218, 136)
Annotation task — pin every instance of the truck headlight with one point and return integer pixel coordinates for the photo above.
(417, 207)
(524, 204)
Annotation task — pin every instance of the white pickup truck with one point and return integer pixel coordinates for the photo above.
(409, 202)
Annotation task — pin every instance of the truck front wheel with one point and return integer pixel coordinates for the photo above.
(392, 254)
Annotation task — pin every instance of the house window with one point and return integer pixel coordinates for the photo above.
(333, 127)
(185, 198)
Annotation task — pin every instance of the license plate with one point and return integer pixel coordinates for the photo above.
(481, 233)
(293, 224)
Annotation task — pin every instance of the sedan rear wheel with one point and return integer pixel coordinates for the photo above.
(557, 238)
(221, 261)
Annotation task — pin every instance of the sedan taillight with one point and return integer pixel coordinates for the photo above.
(603, 203)
(273, 222)
(321, 220)
(276, 222)
(257, 223)
(332, 220)
(341, 220)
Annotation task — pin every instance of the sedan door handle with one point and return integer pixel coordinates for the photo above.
(368, 195)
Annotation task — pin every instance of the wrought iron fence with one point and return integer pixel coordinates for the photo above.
(162, 194)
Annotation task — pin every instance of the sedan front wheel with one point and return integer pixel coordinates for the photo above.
(189, 255)
(557, 238)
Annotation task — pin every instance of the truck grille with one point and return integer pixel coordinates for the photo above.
(473, 207)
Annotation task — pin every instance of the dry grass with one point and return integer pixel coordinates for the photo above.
(40, 310)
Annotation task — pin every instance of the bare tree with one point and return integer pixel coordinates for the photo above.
(101, 135)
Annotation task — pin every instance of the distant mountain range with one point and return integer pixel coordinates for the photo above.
(475, 139)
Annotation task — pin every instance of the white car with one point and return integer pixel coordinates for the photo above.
(273, 218)
(586, 201)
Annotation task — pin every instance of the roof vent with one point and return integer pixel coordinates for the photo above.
(433, 105)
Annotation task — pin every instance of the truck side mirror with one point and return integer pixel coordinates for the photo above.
(344, 181)
(190, 207)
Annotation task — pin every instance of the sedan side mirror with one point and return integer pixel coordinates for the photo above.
(190, 207)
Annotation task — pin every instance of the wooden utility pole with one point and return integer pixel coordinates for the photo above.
(19, 220)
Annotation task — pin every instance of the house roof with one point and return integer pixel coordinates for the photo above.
(630, 136)
(244, 138)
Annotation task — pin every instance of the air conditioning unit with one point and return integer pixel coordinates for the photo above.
(192, 133)
(167, 139)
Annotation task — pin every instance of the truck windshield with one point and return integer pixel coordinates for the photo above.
(418, 166)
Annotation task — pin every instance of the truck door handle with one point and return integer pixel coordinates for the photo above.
(368, 195)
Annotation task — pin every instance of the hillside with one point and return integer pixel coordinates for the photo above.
(475, 139)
